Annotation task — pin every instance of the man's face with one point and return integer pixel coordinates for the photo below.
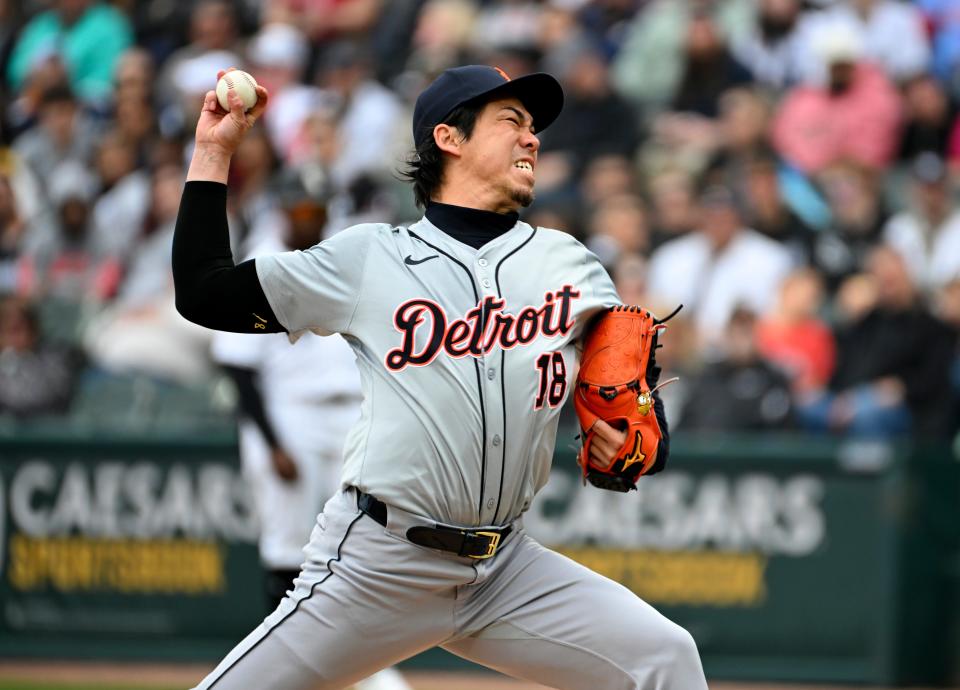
(501, 154)
(895, 288)
(57, 119)
(720, 223)
(931, 197)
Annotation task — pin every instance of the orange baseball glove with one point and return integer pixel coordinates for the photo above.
(617, 383)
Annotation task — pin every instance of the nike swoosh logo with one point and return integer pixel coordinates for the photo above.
(410, 261)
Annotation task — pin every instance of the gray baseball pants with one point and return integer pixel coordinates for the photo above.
(367, 598)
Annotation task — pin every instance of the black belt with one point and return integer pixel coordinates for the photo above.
(477, 544)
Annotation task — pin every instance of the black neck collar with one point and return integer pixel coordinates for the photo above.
(471, 226)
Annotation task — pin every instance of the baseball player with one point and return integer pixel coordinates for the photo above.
(465, 327)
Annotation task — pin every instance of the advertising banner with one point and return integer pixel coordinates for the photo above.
(786, 559)
(111, 548)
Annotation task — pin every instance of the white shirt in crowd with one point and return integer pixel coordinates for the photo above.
(932, 254)
(746, 272)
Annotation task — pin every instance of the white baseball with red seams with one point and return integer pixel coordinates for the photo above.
(242, 83)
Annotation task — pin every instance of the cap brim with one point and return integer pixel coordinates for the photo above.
(540, 93)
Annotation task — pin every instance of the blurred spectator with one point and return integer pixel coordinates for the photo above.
(629, 274)
(595, 121)
(22, 111)
(673, 206)
(944, 22)
(559, 27)
(141, 331)
(35, 378)
(64, 132)
(617, 227)
(607, 176)
(739, 391)
(890, 33)
(507, 24)
(278, 55)
(134, 76)
(768, 213)
(136, 122)
(372, 131)
(719, 267)
(928, 118)
(927, 235)
(743, 130)
(709, 68)
(795, 338)
(319, 145)
(891, 361)
(858, 214)
(605, 20)
(440, 38)
(191, 70)
(124, 197)
(254, 166)
(13, 227)
(771, 50)
(680, 140)
(135, 103)
(66, 258)
(324, 20)
(652, 61)
(856, 115)
(88, 34)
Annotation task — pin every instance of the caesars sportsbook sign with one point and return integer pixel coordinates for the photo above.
(681, 538)
(147, 548)
(144, 540)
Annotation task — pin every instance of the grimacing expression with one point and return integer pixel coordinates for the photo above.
(502, 151)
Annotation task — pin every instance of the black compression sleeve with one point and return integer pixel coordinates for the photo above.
(210, 290)
(251, 402)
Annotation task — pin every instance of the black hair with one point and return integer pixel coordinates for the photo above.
(424, 167)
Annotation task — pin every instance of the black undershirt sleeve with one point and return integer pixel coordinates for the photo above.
(251, 401)
(210, 290)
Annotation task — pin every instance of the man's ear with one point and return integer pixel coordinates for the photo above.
(448, 139)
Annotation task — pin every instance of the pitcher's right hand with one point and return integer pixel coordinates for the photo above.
(221, 131)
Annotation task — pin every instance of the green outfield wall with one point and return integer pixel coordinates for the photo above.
(787, 558)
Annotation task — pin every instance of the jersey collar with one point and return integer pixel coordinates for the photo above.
(496, 247)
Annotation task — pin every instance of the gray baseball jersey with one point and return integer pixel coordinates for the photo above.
(465, 358)
(467, 440)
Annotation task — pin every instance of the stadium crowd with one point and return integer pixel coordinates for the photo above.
(785, 169)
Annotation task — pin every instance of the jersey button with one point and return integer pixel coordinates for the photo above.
(491, 373)
(496, 440)
(486, 282)
(482, 262)
(490, 504)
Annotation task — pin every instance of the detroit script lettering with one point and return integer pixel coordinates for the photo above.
(484, 327)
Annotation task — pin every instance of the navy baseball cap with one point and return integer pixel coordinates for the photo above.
(540, 94)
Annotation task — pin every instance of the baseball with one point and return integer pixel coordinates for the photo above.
(242, 83)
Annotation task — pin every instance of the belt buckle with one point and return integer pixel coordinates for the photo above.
(491, 545)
